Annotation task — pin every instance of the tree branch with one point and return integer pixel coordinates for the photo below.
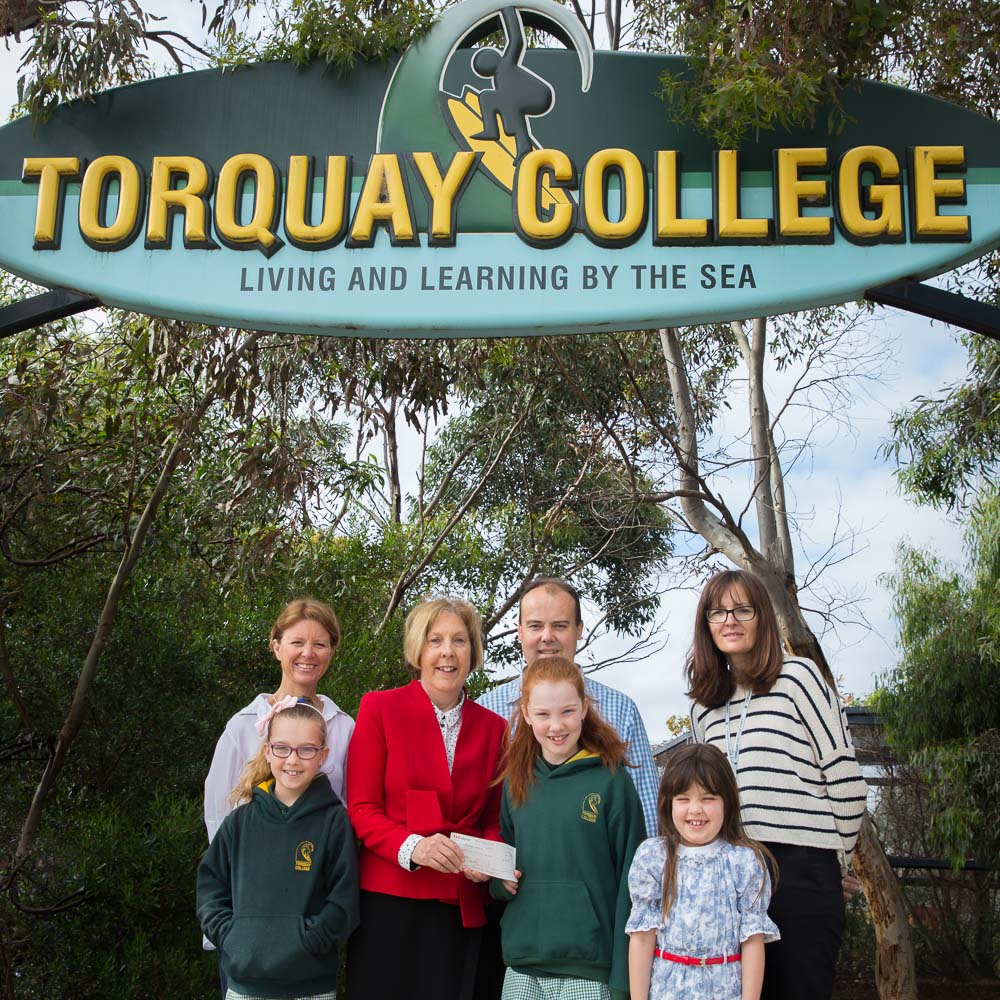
(428, 512)
(78, 709)
(727, 538)
(67, 551)
(760, 439)
(404, 582)
(8, 674)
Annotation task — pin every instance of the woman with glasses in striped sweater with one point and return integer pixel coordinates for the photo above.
(779, 720)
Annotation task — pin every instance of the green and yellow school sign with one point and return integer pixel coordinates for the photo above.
(482, 191)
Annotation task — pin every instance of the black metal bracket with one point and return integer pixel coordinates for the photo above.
(936, 303)
(44, 308)
(936, 864)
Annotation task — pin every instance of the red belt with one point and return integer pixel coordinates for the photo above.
(690, 960)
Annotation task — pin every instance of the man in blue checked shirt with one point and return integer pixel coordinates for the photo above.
(550, 624)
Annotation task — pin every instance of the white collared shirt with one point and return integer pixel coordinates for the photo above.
(450, 723)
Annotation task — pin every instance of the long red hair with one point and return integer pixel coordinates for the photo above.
(597, 736)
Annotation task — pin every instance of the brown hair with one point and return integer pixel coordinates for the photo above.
(258, 768)
(518, 768)
(307, 609)
(552, 583)
(710, 681)
(421, 619)
(705, 765)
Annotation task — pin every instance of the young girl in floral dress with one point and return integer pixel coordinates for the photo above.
(700, 891)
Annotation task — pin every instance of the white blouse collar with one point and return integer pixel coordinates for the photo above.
(701, 853)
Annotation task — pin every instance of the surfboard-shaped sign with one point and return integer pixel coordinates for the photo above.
(479, 190)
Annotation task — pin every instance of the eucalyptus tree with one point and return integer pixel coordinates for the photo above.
(942, 714)
(77, 48)
(561, 499)
(940, 705)
(256, 466)
(947, 446)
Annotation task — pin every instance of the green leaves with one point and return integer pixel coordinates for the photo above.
(948, 446)
(759, 65)
(347, 32)
(941, 706)
(75, 57)
(77, 50)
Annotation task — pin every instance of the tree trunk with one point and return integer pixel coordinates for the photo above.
(895, 972)
(984, 923)
(894, 966)
(80, 705)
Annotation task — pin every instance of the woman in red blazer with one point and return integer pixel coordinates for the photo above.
(420, 766)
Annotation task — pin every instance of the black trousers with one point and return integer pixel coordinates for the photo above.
(808, 907)
(411, 949)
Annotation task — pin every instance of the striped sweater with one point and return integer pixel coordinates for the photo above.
(799, 780)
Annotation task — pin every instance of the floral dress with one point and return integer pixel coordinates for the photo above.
(719, 905)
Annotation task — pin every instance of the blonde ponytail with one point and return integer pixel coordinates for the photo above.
(258, 769)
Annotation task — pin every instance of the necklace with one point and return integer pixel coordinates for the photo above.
(733, 752)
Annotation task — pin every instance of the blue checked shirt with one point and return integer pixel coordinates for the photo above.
(619, 710)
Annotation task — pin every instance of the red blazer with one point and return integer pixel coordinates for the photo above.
(398, 783)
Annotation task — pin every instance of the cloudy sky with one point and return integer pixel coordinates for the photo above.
(843, 486)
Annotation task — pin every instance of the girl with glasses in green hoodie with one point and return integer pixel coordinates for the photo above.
(278, 886)
(573, 815)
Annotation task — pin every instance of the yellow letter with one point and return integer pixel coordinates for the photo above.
(299, 196)
(383, 199)
(93, 203)
(670, 227)
(257, 234)
(632, 188)
(728, 224)
(444, 192)
(49, 172)
(191, 200)
(885, 199)
(791, 191)
(927, 190)
(528, 180)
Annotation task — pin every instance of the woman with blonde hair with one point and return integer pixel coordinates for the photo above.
(421, 766)
(303, 640)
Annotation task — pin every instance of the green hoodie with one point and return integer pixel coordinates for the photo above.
(575, 836)
(278, 891)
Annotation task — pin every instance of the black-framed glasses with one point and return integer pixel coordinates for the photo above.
(283, 750)
(743, 613)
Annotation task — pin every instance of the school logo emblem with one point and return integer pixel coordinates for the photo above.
(590, 807)
(496, 122)
(304, 856)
